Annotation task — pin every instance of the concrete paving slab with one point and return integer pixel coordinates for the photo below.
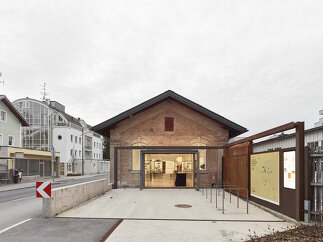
(59, 230)
(160, 204)
(190, 231)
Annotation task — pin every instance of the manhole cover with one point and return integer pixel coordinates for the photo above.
(183, 206)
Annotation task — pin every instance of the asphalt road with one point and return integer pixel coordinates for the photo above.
(21, 204)
(61, 230)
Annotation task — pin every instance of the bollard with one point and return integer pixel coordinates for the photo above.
(238, 198)
(206, 193)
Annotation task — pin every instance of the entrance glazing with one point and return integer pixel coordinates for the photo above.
(169, 170)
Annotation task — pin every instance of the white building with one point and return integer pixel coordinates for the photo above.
(50, 126)
(312, 137)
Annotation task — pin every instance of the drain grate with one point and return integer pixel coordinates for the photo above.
(183, 206)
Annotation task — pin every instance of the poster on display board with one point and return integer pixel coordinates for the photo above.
(289, 169)
(264, 176)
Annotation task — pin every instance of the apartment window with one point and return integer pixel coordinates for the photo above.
(71, 138)
(80, 140)
(11, 140)
(1, 139)
(79, 153)
(76, 153)
(76, 139)
(3, 116)
(94, 144)
(169, 124)
(71, 152)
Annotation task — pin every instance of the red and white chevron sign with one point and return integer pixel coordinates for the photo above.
(43, 189)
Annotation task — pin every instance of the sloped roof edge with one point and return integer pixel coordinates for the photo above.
(171, 94)
(12, 108)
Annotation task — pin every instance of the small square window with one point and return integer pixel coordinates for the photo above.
(169, 124)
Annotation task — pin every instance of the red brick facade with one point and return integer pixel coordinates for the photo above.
(147, 127)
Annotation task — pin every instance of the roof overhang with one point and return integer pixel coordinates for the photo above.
(12, 108)
(104, 127)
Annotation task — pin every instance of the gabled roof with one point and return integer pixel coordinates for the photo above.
(15, 112)
(234, 129)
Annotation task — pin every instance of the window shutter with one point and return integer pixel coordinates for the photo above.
(169, 124)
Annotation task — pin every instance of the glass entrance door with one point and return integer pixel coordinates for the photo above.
(169, 170)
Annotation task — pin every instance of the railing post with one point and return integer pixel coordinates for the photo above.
(223, 202)
(230, 193)
(247, 199)
(216, 196)
(211, 193)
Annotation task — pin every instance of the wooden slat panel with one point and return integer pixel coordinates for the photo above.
(235, 167)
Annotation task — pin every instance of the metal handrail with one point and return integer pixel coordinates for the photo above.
(223, 186)
(240, 188)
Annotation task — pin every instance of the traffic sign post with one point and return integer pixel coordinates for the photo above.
(43, 189)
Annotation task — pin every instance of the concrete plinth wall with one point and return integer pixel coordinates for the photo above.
(70, 196)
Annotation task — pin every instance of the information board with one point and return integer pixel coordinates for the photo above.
(264, 176)
(289, 169)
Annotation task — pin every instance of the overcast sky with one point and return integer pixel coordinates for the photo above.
(258, 63)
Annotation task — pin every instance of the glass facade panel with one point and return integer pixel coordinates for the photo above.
(47, 165)
(37, 135)
(169, 170)
(33, 167)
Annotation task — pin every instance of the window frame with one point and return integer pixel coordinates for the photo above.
(167, 126)
(132, 156)
(5, 117)
(132, 159)
(13, 140)
(204, 150)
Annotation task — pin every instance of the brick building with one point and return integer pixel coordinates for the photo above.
(167, 141)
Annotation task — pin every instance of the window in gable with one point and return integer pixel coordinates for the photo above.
(169, 124)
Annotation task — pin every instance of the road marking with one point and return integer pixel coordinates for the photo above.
(17, 199)
(15, 225)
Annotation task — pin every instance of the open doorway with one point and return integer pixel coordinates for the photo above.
(169, 170)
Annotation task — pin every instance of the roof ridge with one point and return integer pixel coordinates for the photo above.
(237, 129)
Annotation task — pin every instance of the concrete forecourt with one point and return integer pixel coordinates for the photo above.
(151, 213)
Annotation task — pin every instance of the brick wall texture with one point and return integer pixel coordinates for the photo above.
(147, 128)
